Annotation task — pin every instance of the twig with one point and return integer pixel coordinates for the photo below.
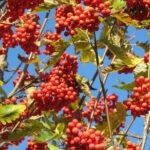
(130, 135)
(20, 79)
(93, 79)
(130, 124)
(26, 65)
(13, 73)
(146, 127)
(102, 87)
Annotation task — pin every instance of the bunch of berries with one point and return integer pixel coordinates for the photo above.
(100, 111)
(59, 88)
(81, 138)
(139, 102)
(27, 34)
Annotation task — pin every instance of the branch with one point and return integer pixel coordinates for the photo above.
(146, 128)
(130, 124)
(102, 89)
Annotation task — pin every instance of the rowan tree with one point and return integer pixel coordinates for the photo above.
(47, 101)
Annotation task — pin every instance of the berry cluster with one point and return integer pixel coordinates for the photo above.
(6, 36)
(130, 146)
(79, 138)
(27, 78)
(28, 33)
(68, 18)
(14, 143)
(102, 7)
(126, 70)
(139, 102)
(36, 146)
(146, 57)
(17, 8)
(100, 111)
(71, 113)
(138, 9)
(60, 88)
(53, 37)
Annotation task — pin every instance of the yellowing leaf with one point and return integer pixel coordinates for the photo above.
(116, 118)
(125, 18)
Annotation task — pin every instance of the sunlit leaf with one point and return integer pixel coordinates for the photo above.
(116, 118)
(127, 86)
(126, 19)
(27, 129)
(53, 147)
(9, 113)
(84, 85)
(122, 53)
(141, 70)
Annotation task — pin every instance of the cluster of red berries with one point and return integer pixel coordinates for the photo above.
(53, 37)
(68, 18)
(102, 7)
(126, 70)
(17, 8)
(100, 110)
(14, 143)
(146, 57)
(139, 102)
(36, 146)
(60, 88)
(27, 78)
(71, 113)
(6, 36)
(129, 146)
(28, 33)
(81, 138)
(138, 9)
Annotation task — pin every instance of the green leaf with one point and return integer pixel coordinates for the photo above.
(126, 19)
(2, 92)
(84, 85)
(118, 4)
(9, 113)
(144, 45)
(60, 47)
(50, 4)
(33, 60)
(122, 53)
(89, 56)
(59, 128)
(116, 118)
(44, 136)
(28, 128)
(127, 87)
(53, 147)
(80, 40)
(141, 70)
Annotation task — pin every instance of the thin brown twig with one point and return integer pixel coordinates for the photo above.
(30, 56)
(102, 87)
(130, 135)
(93, 79)
(145, 133)
(130, 124)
